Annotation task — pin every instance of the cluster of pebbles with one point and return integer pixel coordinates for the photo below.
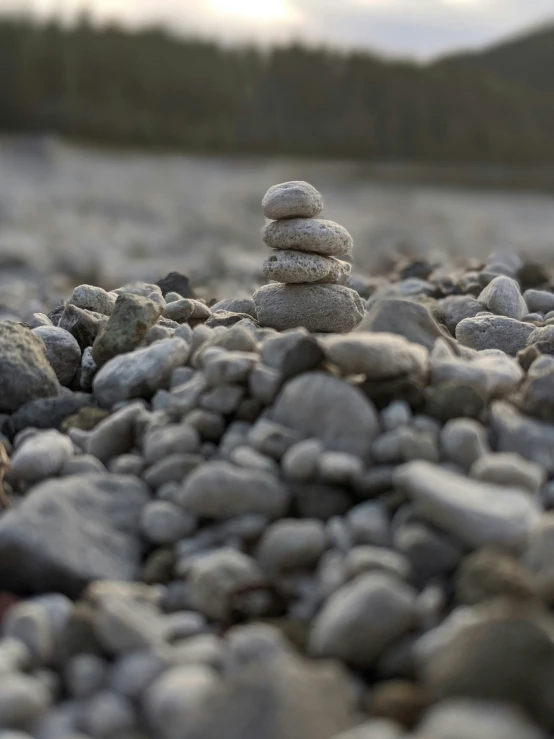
(307, 275)
(214, 529)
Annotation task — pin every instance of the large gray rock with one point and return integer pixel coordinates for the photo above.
(25, 372)
(362, 619)
(292, 266)
(376, 355)
(222, 490)
(72, 531)
(503, 297)
(319, 308)
(404, 317)
(140, 373)
(278, 698)
(478, 513)
(515, 432)
(62, 350)
(129, 322)
(494, 332)
(318, 236)
(319, 406)
(296, 199)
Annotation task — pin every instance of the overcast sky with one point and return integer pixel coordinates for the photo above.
(420, 28)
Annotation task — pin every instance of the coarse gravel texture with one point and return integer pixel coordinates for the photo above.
(232, 531)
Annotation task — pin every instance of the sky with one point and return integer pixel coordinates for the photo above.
(414, 28)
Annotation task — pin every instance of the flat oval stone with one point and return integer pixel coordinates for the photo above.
(313, 235)
(294, 199)
(299, 266)
(319, 308)
(377, 355)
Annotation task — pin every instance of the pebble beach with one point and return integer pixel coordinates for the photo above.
(317, 508)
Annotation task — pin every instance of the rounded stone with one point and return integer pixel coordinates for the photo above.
(222, 490)
(362, 618)
(93, 298)
(292, 266)
(41, 456)
(173, 701)
(376, 355)
(503, 297)
(319, 406)
(296, 199)
(319, 308)
(464, 441)
(510, 469)
(23, 700)
(163, 522)
(291, 545)
(494, 332)
(300, 461)
(318, 236)
(85, 674)
(62, 350)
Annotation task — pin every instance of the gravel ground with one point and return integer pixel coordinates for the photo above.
(212, 529)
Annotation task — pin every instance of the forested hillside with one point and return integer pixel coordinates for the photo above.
(150, 89)
(527, 60)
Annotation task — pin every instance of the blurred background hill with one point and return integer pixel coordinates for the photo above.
(147, 88)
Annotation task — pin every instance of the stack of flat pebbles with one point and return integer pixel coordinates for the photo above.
(305, 267)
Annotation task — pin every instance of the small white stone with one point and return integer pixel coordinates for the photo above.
(295, 199)
(292, 266)
(318, 236)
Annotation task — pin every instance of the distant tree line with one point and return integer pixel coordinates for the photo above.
(151, 89)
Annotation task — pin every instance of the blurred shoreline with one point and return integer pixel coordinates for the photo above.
(476, 176)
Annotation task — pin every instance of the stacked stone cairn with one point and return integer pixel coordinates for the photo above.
(305, 267)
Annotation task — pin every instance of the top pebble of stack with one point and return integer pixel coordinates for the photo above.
(292, 200)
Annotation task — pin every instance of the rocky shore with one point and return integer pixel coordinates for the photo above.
(213, 528)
